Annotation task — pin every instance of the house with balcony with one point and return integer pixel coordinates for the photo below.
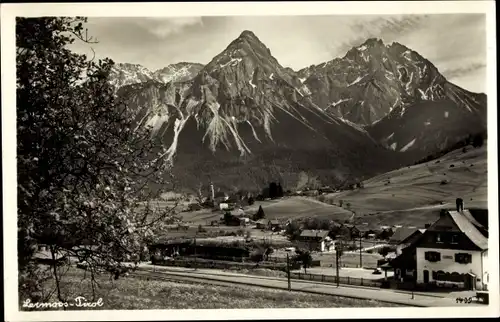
(453, 252)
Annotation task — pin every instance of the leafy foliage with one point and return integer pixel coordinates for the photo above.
(304, 257)
(385, 250)
(230, 219)
(260, 214)
(293, 230)
(476, 140)
(84, 167)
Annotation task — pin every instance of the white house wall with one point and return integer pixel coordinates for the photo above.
(448, 264)
(486, 269)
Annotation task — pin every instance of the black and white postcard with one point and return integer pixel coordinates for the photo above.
(187, 161)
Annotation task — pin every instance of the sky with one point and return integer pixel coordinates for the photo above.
(454, 43)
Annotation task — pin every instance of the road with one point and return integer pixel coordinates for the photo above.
(366, 249)
(226, 278)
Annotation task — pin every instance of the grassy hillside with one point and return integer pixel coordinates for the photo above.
(138, 294)
(286, 208)
(413, 195)
(410, 196)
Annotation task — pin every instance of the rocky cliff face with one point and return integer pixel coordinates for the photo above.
(397, 95)
(245, 112)
(426, 126)
(123, 74)
(244, 119)
(179, 72)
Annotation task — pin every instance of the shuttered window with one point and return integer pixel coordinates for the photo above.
(433, 256)
(463, 258)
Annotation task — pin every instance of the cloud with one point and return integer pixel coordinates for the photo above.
(461, 71)
(454, 43)
(386, 28)
(164, 27)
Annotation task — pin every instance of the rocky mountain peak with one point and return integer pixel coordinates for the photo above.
(242, 105)
(370, 43)
(247, 34)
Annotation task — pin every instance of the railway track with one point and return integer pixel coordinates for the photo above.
(176, 277)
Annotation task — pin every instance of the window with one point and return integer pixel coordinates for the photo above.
(438, 238)
(463, 258)
(454, 239)
(434, 275)
(433, 256)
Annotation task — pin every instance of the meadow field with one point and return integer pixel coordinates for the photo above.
(282, 209)
(131, 293)
(412, 196)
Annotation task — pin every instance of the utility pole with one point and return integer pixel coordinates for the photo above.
(195, 263)
(337, 264)
(414, 285)
(360, 253)
(288, 272)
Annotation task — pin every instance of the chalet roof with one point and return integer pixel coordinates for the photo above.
(405, 259)
(314, 233)
(473, 220)
(261, 221)
(402, 233)
(274, 222)
(45, 254)
(468, 228)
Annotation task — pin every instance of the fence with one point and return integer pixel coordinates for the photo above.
(204, 263)
(333, 279)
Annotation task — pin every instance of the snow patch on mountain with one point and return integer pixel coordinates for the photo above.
(357, 80)
(354, 125)
(178, 126)
(393, 105)
(128, 74)
(423, 95)
(156, 122)
(409, 145)
(252, 84)
(403, 111)
(177, 72)
(267, 125)
(408, 84)
(422, 71)
(253, 131)
(232, 62)
(232, 125)
(342, 100)
(405, 55)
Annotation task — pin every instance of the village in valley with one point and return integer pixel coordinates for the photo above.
(297, 235)
(237, 182)
(439, 253)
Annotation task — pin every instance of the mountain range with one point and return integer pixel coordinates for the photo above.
(243, 119)
(123, 74)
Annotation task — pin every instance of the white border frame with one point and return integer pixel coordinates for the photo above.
(10, 11)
